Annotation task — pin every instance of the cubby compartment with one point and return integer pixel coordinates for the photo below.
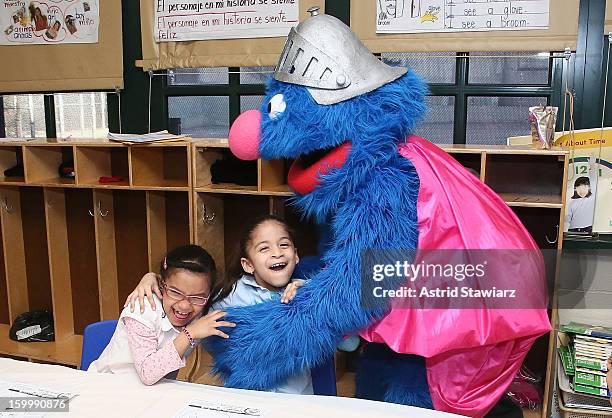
(42, 165)
(218, 170)
(273, 177)
(121, 227)
(168, 224)
(470, 160)
(221, 220)
(160, 166)
(33, 223)
(97, 165)
(542, 224)
(82, 260)
(526, 180)
(11, 158)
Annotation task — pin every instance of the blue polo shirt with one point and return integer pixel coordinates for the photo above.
(247, 292)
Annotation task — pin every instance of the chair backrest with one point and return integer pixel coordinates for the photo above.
(324, 378)
(95, 339)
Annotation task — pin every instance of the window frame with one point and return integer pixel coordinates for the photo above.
(461, 90)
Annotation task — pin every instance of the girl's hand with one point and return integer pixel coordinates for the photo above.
(291, 290)
(207, 325)
(146, 287)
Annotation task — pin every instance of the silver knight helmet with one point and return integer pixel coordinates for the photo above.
(323, 54)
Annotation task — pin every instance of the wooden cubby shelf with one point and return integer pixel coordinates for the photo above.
(522, 176)
(94, 163)
(532, 200)
(218, 171)
(66, 351)
(99, 239)
(42, 164)
(161, 166)
(11, 157)
(268, 178)
(77, 246)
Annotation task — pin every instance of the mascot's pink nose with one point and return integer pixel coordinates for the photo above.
(244, 135)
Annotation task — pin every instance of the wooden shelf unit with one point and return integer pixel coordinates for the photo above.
(533, 183)
(100, 238)
(77, 246)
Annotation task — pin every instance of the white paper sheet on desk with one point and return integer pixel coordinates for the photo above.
(15, 389)
(199, 408)
(10, 389)
(22, 415)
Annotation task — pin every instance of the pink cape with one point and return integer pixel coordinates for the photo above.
(472, 355)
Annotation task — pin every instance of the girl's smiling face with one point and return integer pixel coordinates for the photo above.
(180, 281)
(583, 190)
(271, 255)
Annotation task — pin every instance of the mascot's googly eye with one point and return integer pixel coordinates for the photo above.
(276, 106)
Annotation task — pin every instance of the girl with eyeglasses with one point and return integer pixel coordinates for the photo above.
(154, 343)
(262, 270)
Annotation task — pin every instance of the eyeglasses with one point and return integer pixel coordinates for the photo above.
(178, 295)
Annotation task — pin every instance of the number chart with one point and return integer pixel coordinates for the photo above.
(417, 16)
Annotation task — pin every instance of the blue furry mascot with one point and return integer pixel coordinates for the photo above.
(347, 118)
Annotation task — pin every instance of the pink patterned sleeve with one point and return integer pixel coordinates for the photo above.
(151, 363)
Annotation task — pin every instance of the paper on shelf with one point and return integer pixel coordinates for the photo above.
(161, 136)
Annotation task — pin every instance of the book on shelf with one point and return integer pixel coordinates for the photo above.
(566, 360)
(590, 379)
(590, 330)
(591, 363)
(591, 390)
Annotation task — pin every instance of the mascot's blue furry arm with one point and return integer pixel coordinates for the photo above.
(372, 199)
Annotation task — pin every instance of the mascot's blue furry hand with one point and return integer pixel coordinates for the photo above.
(266, 346)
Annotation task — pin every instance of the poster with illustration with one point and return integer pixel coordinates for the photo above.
(49, 22)
(416, 16)
(588, 207)
(192, 20)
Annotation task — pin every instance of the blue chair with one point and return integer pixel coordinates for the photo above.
(95, 339)
(324, 378)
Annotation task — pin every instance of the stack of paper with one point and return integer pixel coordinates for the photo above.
(584, 351)
(161, 136)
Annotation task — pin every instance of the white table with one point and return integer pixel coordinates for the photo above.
(106, 395)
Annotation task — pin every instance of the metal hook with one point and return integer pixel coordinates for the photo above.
(106, 212)
(102, 214)
(206, 218)
(7, 208)
(556, 237)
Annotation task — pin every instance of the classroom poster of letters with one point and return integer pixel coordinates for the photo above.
(417, 16)
(189, 20)
(49, 22)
